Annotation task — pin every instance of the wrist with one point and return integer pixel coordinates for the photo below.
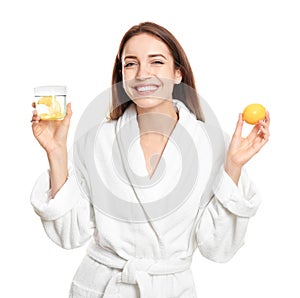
(57, 152)
(233, 170)
(58, 162)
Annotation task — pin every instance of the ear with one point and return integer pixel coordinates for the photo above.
(178, 76)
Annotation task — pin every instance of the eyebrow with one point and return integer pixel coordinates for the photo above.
(150, 56)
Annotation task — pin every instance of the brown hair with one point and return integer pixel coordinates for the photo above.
(185, 91)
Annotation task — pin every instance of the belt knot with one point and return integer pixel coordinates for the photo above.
(132, 266)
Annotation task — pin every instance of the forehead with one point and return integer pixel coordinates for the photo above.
(144, 44)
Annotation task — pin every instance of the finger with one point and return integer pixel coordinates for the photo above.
(239, 126)
(33, 105)
(34, 116)
(264, 127)
(262, 139)
(68, 114)
(254, 132)
(35, 120)
(69, 110)
(256, 129)
(263, 123)
(264, 133)
(267, 119)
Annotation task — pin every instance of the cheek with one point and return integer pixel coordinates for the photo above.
(128, 74)
(125, 79)
(169, 73)
(125, 84)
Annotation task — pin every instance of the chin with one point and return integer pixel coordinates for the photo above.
(147, 102)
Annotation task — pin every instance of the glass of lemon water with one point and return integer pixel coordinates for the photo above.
(50, 102)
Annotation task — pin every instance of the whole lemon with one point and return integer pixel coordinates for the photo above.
(253, 113)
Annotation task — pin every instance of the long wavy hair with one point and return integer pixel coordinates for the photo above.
(185, 91)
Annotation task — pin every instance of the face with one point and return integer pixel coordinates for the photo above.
(148, 70)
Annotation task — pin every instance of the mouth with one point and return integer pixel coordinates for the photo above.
(146, 89)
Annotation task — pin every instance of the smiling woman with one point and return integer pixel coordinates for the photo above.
(164, 54)
(149, 71)
(149, 184)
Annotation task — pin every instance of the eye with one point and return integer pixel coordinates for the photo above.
(129, 64)
(157, 62)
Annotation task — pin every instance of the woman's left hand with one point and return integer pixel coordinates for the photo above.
(241, 150)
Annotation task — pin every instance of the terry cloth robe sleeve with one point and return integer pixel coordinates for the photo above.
(68, 218)
(223, 224)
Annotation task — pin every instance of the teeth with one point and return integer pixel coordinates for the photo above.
(146, 88)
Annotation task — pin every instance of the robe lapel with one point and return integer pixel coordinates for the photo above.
(183, 176)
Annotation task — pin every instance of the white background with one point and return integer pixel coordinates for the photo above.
(241, 52)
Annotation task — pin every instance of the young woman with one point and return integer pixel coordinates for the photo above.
(142, 244)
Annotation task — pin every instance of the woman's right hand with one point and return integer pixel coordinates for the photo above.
(51, 134)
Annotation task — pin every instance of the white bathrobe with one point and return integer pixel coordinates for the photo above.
(143, 231)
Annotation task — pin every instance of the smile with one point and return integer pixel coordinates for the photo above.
(146, 88)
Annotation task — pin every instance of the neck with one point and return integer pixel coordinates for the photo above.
(157, 122)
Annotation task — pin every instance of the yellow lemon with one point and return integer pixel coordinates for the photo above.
(253, 113)
(46, 100)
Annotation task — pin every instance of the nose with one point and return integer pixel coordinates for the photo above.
(143, 72)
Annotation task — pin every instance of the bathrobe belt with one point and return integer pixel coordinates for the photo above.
(137, 271)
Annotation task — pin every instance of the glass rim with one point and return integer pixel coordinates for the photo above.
(50, 90)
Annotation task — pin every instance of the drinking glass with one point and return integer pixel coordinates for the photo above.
(50, 102)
